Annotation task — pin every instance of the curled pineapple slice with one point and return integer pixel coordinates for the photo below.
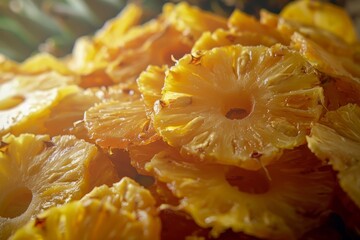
(337, 139)
(243, 23)
(25, 99)
(124, 211)
(223, 37)
(281, 203)
(38, 172)
(239, 105)
(118, 124)
(150, 83)
(192, 21)
(322, 15)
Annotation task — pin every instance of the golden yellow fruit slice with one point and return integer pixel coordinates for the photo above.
(150, 83)
(110, 34)
(119, 124)
(192, 21)
(239, 105)
(337, 139)
(38, 172)
(322, 15)
(283, 202)
(124, 211)
(223, 37)
(241, 22)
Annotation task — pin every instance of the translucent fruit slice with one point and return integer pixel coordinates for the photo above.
(239, 105)
(20, 113)
(337, 139)
(222, 37)
(322, 15)
(118, 124)
(241, 22)
(113, 29)
(124, 211)
(283, 202)
(150, 83)
(192, 21)
(38, 172)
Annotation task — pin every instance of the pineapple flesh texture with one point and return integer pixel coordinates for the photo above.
(322, 15)
(239, 105)
(336, 138)
(38, 172)
(26, 99)
(118, 124)
(281, 203)
(124, 211)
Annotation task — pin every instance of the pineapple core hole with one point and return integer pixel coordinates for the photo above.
(253, 182)
(15, 202)
(239, 110)
(10, 103)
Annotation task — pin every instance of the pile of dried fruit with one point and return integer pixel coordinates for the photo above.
(188, 126)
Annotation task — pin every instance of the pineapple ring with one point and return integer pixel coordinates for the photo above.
(322, 15)
(119, 124)
(284, 207)
(25, 99)
(337, 138)
(239, 105)
(37, 172)
(124, 211)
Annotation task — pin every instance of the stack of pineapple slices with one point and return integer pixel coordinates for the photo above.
(235, 128)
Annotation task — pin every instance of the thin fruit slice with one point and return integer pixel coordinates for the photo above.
(150, 83)
(324, 38)
(323, 15)
(20, 113)
(337, 139)
(323, 60)
(283, 202)
(124, 211)
(192, 21)
(110, 34)
(42, 63)
(37, 172)
(239, 105)
(241, 22)
(118, 124)
(223, 37)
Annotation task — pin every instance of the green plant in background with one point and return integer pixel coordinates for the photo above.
(29, 26)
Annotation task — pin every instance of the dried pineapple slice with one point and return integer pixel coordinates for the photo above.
(241, 22)
(254, 198)
(37, 172)
(337, 139)
(192, 21)
(326, 39)
(285, 206)
(118, 124)
(44, 62)
(239, 105)
(124, 211)
(321, 59)
(150, 83)
(110, 34)
(322, 15)
(223, 37)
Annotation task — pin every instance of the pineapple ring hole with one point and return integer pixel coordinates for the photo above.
(239, 109)
(15, 202)
(11, 102)
(253, 182)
